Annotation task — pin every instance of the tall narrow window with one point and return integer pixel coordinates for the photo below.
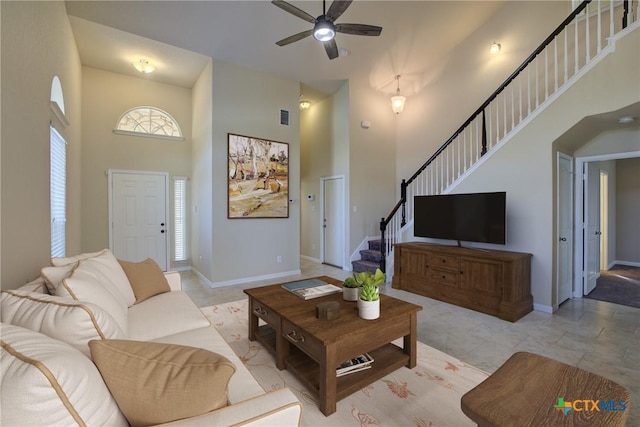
(179, 218)
(58, 179)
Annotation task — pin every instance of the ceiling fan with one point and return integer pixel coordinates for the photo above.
(324, 27)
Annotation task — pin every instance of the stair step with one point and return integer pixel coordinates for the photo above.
(360, 266)
(371, 255)
(375, 245)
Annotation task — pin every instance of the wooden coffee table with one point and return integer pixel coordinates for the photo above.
(311, 348)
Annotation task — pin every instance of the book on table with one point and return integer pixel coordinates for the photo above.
(358, 363)
(311, 288)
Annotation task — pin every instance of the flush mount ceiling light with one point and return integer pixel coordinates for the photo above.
(397, 102)
(626, 120)
(304, 105)
(495, 48)
(144, 66)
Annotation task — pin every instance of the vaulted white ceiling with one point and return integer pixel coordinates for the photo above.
(179, 36)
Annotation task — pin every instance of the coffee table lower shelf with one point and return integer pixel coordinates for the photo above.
(387, 359)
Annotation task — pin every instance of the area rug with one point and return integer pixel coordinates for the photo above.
(428, 395)
(619, 285)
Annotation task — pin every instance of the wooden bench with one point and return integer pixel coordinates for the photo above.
(532, 390)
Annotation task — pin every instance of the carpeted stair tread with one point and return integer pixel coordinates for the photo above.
(370, 255)
(360, 266)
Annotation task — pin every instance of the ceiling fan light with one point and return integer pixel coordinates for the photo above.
(324, 31)
(304, 105)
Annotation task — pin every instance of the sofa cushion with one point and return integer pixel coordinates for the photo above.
(156, 383)
(107, 271)
(146, 278)
(242, 385)
(164, 314)
(53, 276)
(60, 261)
(89, 285)
(46, 381)
(64, 319)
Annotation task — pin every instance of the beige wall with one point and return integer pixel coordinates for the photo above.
(628, 211)
(201, 183)
(372, 161)
(316, 156)
(452, 88)
(248, 102)
(28, 67)
(105, 97)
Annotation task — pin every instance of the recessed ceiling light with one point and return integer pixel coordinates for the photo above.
(343, 52)
(626, 119)
(495, 48)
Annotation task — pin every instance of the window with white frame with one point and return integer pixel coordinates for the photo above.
(150, 122)
(179, 218)
(58, 179)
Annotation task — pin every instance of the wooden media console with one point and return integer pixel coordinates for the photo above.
(492, 282)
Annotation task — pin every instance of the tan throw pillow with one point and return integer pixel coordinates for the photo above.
(146, 278)
(156, 383)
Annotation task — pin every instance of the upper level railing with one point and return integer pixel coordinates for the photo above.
(558, 61)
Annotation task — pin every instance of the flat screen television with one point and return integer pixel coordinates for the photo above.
(475, 217)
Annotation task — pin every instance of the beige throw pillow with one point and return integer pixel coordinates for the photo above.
(146, 278)
(156, 383)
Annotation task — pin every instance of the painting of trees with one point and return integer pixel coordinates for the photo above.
(258, 174)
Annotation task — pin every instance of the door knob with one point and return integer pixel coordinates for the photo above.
(162, 231)
(563, 239)
(162, 224)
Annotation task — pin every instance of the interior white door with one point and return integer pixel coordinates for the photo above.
(333, 222)
(139, 227)
(591, 227)
(565, 228)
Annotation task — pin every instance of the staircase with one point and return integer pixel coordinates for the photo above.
(369, 258)
(580, 41)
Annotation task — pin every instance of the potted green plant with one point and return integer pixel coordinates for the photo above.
(369, 300)
(350, 289)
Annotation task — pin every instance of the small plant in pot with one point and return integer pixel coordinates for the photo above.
(369, 301)
(350, 289)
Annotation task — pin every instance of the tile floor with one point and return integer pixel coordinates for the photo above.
(600, 337)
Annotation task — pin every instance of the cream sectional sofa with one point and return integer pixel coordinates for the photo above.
(49, 378)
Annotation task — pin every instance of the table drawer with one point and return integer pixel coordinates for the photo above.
(297, 337)
(265, 313)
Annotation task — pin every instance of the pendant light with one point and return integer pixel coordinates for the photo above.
(397, 102)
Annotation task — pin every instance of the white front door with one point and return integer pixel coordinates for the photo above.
(565, 227)
(333, 223)
(591, 227)
(139, 214)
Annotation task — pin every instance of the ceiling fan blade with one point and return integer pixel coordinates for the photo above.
(332, 48)
(337, 8)
(294, 38)
(359, 29)
(294, 10)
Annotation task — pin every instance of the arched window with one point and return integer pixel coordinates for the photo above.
(150, 122)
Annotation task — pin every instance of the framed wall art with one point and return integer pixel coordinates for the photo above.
(258, 174)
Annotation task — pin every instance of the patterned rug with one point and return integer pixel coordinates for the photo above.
(428, 395)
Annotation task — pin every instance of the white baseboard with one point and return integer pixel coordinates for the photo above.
(312, 259)
(201, 277)
(543, 308)
(183, 268)
(252, 279)
(626, 263)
